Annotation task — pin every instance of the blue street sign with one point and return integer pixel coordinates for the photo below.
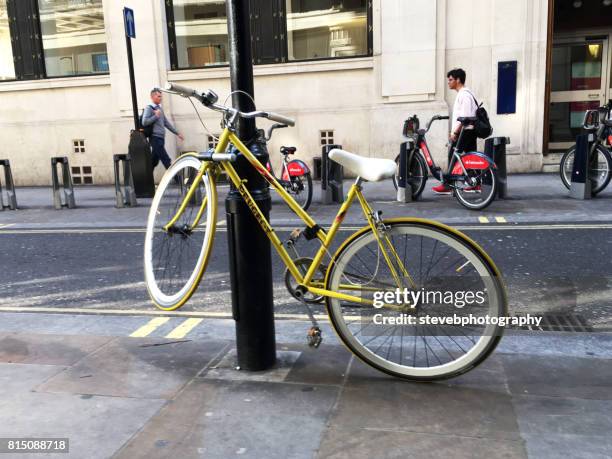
(130, 25)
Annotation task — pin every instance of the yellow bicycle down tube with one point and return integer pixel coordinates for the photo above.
(367, 210)
(331, 234)
(188, 197)
(293, 205)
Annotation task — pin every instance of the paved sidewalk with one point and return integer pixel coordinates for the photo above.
(83, 377)
(539, 198)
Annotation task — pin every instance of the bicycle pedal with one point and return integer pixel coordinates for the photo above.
(314, 337)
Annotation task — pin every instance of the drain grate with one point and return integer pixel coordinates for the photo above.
(561, 323)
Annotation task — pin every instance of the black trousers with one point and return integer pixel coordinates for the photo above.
(468, 144)
(159, 152)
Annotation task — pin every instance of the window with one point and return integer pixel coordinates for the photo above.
(82, 175)
(200, 33)
(281, 31)
(78, 146)
(319, 29)
(7, 66)
(73, 37)
(327, 137)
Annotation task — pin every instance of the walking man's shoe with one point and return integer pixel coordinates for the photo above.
(441, 189)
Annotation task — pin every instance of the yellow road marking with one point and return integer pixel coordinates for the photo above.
(184, 328)
(483, 219)
(500, 220)
(149, 327)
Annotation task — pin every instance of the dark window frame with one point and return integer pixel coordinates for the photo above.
(37, 60)
(281, 15)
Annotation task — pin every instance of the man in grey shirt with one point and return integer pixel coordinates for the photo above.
(154, 115)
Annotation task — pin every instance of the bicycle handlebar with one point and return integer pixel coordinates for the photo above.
(271, 128)
(209, 99)
(435, 118)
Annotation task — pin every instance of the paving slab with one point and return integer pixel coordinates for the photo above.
(222, 419)
(47, 349)
(140, 368)
(568, 446)
(570, 377)
(327, 365)
(431, 408)
(227, 368)
(366, 443)
(542, 416)
(95, 426)
(16, 378)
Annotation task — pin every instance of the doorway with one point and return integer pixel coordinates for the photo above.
(580, 67)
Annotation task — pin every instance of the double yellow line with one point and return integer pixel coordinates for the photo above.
(179, 332)
(486, 220)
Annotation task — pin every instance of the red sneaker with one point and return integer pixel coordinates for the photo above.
(441, 189)
(473, 189)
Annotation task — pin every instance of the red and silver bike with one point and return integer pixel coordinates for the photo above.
(471, 175)
(295, 177)
(599, 123)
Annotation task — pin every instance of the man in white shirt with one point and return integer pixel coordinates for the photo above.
(465, 106)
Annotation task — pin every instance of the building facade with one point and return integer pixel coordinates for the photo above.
(348, 71)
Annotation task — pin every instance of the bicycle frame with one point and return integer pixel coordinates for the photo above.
(422, 148)
(326, 238)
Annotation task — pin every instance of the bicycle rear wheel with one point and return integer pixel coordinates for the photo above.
(480, 192)
(437, 258)
(175, 257)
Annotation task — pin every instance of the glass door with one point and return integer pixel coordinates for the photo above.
(579, 82)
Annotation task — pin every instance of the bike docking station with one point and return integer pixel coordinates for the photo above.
(124, 189)
(65, 188)
(495, 149)
(332, 176)
(11, 197)
(250, 256)
(581, 186)
(404, 171)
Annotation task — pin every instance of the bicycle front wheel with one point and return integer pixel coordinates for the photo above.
(438, 335)
(600, 169)
(418, 178)
(176, 252)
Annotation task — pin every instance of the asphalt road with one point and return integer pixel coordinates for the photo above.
(549, 269)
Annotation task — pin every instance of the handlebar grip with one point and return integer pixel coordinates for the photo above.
(281, 119)
(444, 117)
(182, 90)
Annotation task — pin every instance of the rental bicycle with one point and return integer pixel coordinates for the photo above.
(599, 123)
(471, 175)
(423, 259)
(295, 176)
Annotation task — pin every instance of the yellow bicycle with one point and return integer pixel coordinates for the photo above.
(397, 291)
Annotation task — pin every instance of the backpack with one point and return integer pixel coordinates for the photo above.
(146, 130)
(482, 126)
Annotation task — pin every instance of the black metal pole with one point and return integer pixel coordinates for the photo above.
(128, 42)
(249, 247)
